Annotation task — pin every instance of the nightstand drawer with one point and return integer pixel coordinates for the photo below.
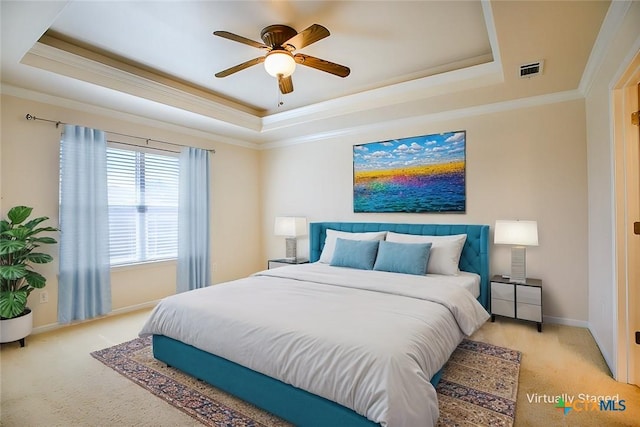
(502, 307)
(529, 312)
(517, 300)
(529, 295)
(502, 291)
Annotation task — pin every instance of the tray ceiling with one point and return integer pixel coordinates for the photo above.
(161, 57)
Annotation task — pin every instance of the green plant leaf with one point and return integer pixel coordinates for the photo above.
(19, 233)
(18, 214)
(13, 303)
(11, 246)
(13, 272)
(45, 240)
(4, 226)
(40, 230)
(39, 258)
(31, 224)
(36, 280)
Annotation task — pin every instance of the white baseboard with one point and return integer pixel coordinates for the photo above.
(566, 322)
(123, 310)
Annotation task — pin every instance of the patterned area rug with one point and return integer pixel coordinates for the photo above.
(478, 387)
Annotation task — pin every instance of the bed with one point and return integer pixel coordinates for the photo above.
(309, 396)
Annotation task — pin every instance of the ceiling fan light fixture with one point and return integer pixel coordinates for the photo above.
(279, 62)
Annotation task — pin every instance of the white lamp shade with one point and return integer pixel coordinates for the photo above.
(279, 62)
(521, 233)
(290, 226)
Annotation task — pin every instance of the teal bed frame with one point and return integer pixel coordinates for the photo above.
(293, 404)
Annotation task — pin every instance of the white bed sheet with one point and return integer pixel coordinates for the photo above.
(367, 340)
(464, 279)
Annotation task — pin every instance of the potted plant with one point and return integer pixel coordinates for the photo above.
(18, 243)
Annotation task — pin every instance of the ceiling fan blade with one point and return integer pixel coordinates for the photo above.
(240, 67)
(239, 39)
(286, 84)
(322, 65)
(306, 37)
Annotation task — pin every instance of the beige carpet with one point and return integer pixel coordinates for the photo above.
(54, 382)
(561, 360)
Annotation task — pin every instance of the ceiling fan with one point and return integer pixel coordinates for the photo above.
(280, 41)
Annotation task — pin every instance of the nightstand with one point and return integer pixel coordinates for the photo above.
(283, 262)
(517, 300)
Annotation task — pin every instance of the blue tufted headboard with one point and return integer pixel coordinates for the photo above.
(475, 253)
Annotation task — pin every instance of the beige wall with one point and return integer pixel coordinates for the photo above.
(602, 278)
(29, 176)
(527, 163)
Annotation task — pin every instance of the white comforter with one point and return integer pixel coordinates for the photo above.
(368, 340)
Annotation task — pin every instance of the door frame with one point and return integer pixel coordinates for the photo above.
(626, 146)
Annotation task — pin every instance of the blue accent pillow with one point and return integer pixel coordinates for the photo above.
(408, 258)
(359, 254)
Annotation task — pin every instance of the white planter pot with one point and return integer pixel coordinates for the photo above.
(17, 328)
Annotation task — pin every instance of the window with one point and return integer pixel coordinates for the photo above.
(143, 205)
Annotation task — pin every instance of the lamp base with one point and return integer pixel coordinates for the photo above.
(292, 248)
(518, 264)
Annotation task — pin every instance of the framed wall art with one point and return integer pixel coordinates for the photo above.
(418, 174)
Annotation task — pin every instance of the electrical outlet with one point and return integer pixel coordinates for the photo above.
(44, 297)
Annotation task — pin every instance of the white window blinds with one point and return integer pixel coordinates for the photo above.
(143, 205)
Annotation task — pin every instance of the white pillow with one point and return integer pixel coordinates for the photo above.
(332, 236)
(445, 250)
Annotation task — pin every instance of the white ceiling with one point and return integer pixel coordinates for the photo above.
(157, 59)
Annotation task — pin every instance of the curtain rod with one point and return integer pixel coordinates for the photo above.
(58, 123)
(140, 146)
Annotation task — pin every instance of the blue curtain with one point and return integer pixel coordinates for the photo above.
(194, 255)
(84, 279)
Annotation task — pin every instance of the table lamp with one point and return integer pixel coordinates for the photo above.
(290, 227)
(519, 234)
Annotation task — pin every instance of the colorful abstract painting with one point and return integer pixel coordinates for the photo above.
(417, 174)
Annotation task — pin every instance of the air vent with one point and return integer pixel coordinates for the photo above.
(531, 69)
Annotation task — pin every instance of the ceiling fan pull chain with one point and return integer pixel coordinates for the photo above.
(280, 101)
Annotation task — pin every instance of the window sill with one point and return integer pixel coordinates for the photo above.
(144, 264)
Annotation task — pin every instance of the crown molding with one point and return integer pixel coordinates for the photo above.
(497, 107)
(608, 30)
(449, 82)
(420, 119)
(132, 80)
(625, 76)
(6, 89)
